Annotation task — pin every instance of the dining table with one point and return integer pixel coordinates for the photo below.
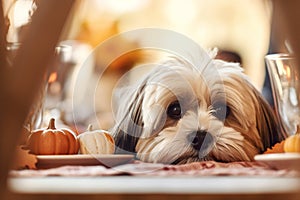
(138, 180)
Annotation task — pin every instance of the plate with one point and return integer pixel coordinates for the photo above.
(108, 160)
(289, 161)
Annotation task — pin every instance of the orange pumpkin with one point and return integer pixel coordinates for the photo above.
(292, 143)
(52, 141)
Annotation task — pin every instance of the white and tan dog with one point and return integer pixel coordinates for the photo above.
(182, 112)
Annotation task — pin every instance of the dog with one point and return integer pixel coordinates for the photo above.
(182, 112)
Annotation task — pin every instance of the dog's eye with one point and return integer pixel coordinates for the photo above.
(174, 110)
(221, 110)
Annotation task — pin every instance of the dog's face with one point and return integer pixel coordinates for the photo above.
(180, 113)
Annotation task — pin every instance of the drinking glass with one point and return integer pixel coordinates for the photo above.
(284, 77)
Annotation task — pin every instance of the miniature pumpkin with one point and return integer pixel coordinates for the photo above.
(292, 143)
(52, 141)
(96, 142)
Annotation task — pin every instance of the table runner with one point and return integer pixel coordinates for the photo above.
(137, 168)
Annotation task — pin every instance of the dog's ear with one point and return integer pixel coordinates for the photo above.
(267, 123)
(129, 128)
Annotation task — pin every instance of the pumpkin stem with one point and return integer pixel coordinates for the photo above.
(51, 124)
(90, 127)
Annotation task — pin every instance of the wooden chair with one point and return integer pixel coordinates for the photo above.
(20, 83)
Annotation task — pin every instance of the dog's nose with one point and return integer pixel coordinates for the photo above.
(200, 139)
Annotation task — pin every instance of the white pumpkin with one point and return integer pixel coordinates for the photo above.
(96, 142)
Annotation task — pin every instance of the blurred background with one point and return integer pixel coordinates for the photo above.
(242, 30)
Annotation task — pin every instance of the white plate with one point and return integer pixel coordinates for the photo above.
(108, 160)
(280, 160)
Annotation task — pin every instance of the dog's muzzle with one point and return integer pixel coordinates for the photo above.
(200, 140)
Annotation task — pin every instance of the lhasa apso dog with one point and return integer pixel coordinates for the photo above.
(183, 112)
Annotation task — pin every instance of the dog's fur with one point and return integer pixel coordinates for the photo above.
(181, 113)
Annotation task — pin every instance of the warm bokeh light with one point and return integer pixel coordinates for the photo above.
(21, 12)
(52, 77)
